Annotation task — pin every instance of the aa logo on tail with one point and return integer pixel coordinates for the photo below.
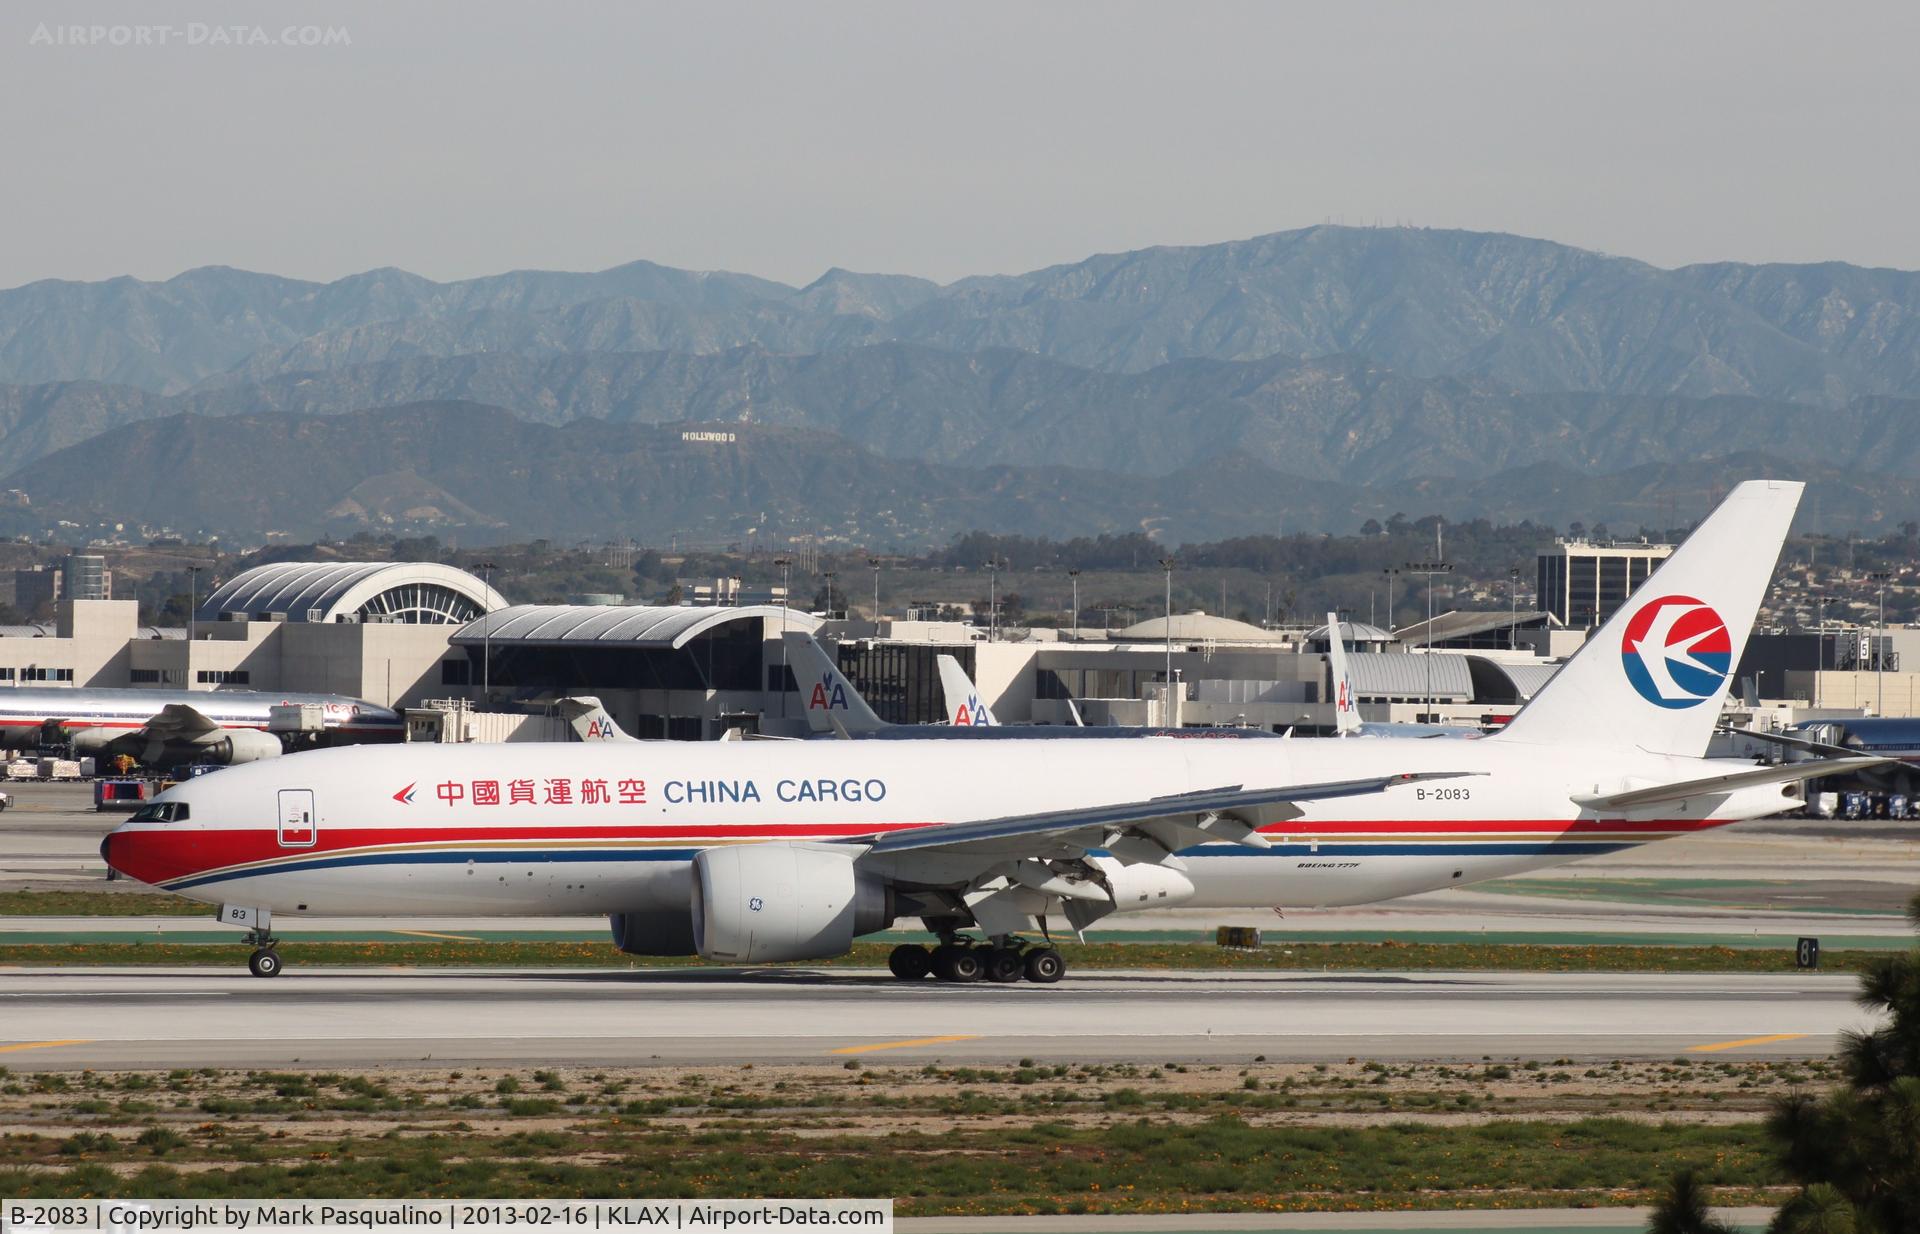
(827, 696)
(970, 712)
(600, 730)
(1677, 652)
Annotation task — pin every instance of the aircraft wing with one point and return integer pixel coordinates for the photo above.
(1687, 790)
(1229, 813)
(1823, 749)
(178, 721)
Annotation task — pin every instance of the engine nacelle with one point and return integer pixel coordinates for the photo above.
(92, 741)
(241, 745)
(760, 903)
(654, 932)
(1142, 885)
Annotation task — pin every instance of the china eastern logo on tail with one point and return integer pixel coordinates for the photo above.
(1677, 652)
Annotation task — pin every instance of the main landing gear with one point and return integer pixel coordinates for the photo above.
(961, 960)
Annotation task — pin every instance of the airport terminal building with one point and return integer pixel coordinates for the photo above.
(415, 635)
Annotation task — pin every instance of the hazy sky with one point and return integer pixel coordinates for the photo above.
(940, 139)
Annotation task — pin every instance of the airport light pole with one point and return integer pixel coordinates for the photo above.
(486, 632)
(873, 563)
(1430, 570)
(1819, 643)
(1879, 645)
(1166, 698)
(193, 603)
(829, 576)
(993, 598)
(1391, 574)
(786, 602)
(1513, 602)
(1074, 626)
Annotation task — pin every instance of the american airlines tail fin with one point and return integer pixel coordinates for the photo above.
(827, 698)
(1346, 709)
(589, 720)
(963, 700)
(1654, 675)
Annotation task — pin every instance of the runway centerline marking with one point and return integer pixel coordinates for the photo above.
(1734, 1045)
(458, 938)
(902, 1045)
(41, 1045)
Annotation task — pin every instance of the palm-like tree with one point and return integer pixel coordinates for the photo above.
(1684, 1209)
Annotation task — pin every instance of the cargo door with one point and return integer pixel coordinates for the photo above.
(299, 826)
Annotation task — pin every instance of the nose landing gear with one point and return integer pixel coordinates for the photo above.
(265, 960)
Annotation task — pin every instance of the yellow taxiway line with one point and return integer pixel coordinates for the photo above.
(1734, 1045)
(453, 938)
(902, 1045)
(40, 1045)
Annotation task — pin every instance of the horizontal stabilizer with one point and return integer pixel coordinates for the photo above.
(1687, 790)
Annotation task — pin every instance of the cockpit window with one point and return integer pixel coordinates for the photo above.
(161, 812)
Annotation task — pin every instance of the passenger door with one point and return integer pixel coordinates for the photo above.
(299, 825)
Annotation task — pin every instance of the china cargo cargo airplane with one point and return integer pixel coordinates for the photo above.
(771, 851)
(166, 728)
(834, 708)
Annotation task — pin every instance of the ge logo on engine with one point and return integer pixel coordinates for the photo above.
(755, 904)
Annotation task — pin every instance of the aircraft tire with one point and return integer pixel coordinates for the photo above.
(1045, 966)
(264, 962)
(1004, 966)
(910, 961)
(957, 964)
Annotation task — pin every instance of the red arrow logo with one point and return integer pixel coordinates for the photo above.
(405, 795)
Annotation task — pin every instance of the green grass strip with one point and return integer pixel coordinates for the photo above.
(1302, 957)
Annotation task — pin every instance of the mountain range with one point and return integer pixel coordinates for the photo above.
(1330, 363)
(487, 475)
(1338, 417)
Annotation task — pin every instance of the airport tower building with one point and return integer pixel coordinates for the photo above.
(1581, 583)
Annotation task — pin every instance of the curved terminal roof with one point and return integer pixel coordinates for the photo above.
(1400, 675)
(658, 626)
(1528, 679)
(414, 592)
(1353, 632)
(1196, 627)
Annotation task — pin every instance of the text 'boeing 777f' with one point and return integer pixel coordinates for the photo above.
(754, 852)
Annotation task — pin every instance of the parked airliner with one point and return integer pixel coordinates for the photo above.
(165, 728)
(755, 852)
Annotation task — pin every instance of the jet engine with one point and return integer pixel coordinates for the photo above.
(655, 932)
(759, 903)
(89, 742)
(240, 745)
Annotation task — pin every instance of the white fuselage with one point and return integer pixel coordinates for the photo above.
(584, 829)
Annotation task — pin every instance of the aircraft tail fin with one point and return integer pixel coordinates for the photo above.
(1653, 677)
(1346, 708)
(589, 720)
(827, 698)
(964, 705)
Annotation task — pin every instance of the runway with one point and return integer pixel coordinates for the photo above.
(102, 1018)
